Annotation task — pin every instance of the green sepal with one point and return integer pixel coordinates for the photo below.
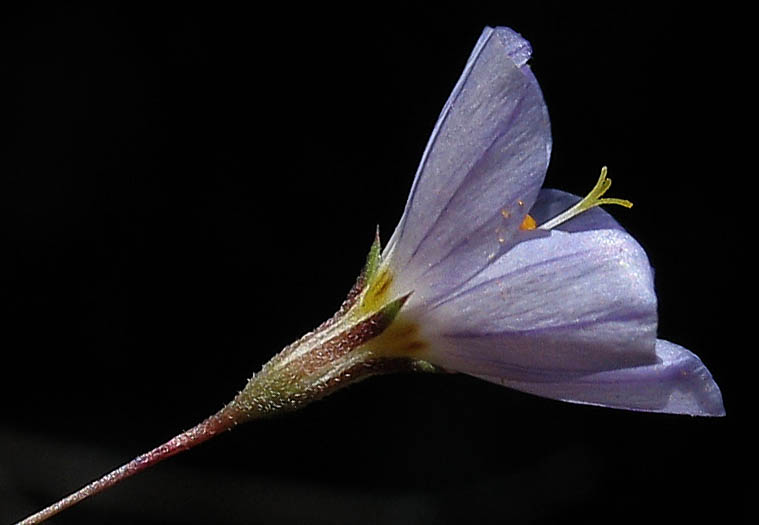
(373, 259)
(368, 272)
(387, 313)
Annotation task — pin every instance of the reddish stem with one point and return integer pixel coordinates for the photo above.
(225, 419)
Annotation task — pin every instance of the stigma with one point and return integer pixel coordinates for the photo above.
(591, 200)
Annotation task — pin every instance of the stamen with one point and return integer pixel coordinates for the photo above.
(528, 223)
(591, 200)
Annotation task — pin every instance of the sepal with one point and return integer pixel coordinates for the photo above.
(373, 259)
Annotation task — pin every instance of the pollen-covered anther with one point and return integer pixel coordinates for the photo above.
(591, 200)
(528, 223)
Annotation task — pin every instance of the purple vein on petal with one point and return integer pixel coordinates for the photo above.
(473, 171)
(457, 90)
(522, 269)
(619, 315)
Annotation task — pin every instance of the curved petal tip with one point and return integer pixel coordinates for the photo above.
(692, 390)
(517, 48)
(678, 383)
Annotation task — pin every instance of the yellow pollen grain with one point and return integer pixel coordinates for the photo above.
(505, 213)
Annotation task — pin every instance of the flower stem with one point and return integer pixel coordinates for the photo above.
(339, 352)
(225, 419)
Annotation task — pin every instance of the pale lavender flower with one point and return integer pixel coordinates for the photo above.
(488, 275)
(567, 313)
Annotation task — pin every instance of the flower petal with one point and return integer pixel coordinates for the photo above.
(678, 383)
(480, 172)
(551, 308)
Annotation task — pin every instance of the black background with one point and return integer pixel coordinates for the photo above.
(184, 190)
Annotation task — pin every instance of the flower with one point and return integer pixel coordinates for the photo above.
(566, 310)
(485, 274)
(489, 275)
